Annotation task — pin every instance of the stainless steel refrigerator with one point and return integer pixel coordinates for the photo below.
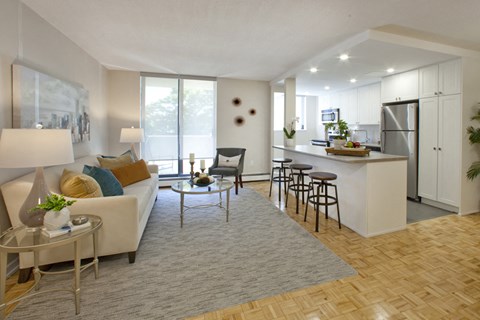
(399, 136)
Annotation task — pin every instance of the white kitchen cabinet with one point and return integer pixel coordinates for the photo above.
(400, 87)
(369, 104)
(348, 106)
(440, 136)
(440, 79)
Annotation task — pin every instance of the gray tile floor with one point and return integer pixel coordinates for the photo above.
(418, 211)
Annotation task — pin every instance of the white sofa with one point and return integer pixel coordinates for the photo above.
(124, 217)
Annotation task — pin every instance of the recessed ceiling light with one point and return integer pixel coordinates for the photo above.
(313, 70)
(344, 57)
(390, 70)
(326, 88)
(353, 80)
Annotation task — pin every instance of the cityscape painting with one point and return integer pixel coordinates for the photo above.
(42, 100)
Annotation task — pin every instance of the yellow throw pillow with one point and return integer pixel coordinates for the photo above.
(79, 185)
(131, 173)
(111, 163)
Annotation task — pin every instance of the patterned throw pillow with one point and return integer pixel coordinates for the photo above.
(133, 155)
(79, 185)
(131, 173)
(108, 183)
(228, 161)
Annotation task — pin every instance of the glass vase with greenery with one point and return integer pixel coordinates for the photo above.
(341, 126)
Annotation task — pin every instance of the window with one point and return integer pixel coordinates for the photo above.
(278, 110)
(178, 115)
(301, 112)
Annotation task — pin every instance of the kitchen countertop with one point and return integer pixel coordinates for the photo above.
(320, 152)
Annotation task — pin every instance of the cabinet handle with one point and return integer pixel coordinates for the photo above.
(434, 148)
(439, 149)
(440, 92)
(436, 93)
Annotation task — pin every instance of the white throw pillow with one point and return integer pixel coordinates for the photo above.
(228, 161)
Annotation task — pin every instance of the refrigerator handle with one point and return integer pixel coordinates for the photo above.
(382, 141)
(382, 119)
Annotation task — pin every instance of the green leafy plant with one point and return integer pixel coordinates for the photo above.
(341, 126)
(474, 137)
(54, 202)
(290, 130)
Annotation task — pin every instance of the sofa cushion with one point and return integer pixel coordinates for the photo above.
(111, 163)
(131, 173)
(79, 185)
(108, 183)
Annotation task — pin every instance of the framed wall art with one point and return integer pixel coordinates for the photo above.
(40, 99)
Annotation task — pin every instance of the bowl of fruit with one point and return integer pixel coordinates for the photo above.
(202, 179)
(353, 145)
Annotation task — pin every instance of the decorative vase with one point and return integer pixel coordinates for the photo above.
(338, 143)
(54, 220)
(289, 143)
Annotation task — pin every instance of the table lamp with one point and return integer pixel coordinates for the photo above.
(35, 148)
(132, 135)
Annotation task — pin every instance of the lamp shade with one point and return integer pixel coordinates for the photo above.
(26, 148)
(132, 135)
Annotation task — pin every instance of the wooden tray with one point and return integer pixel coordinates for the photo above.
(352, 152)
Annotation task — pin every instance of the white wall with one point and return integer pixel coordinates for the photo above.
(470, 190)
(254, 134)
(123, 107)
(28, 39)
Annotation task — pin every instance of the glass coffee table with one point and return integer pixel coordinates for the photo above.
(219, 186)
(23, 239)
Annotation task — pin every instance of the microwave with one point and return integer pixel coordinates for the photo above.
(330, 115)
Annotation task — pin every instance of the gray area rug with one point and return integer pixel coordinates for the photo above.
(208, 265)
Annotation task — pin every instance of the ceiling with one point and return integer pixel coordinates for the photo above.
(262, 39)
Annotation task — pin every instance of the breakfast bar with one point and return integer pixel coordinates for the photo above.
(372, 189)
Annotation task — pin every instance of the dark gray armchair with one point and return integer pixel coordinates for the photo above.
(237, 171)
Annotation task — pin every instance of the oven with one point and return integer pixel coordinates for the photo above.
(330, 115)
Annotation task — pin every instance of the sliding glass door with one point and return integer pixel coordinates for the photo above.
(178, 115)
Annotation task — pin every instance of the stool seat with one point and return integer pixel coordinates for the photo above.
(282, 160)
(322, 176)
(298, 166)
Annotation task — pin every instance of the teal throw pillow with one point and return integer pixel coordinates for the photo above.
(108, 183)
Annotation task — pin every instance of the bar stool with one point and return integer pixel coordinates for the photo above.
(297, 171)
(281, 169)
(321, 180)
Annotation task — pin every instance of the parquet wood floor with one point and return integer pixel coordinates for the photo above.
(431, 270)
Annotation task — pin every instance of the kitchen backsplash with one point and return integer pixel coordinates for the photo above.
(366, 133)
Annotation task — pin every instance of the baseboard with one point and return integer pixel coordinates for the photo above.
(440, 205)
(167, 182)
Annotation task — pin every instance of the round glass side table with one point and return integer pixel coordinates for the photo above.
(23, 239)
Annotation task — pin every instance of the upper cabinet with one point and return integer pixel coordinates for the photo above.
(400, 87)
(440, 79)
(348, 106)
(369, 104)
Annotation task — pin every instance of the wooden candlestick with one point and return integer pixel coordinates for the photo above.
(191, 170)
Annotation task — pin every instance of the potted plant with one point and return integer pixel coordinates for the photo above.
(57, 214)
(342, 128)
(290, 132)
(474, 137)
